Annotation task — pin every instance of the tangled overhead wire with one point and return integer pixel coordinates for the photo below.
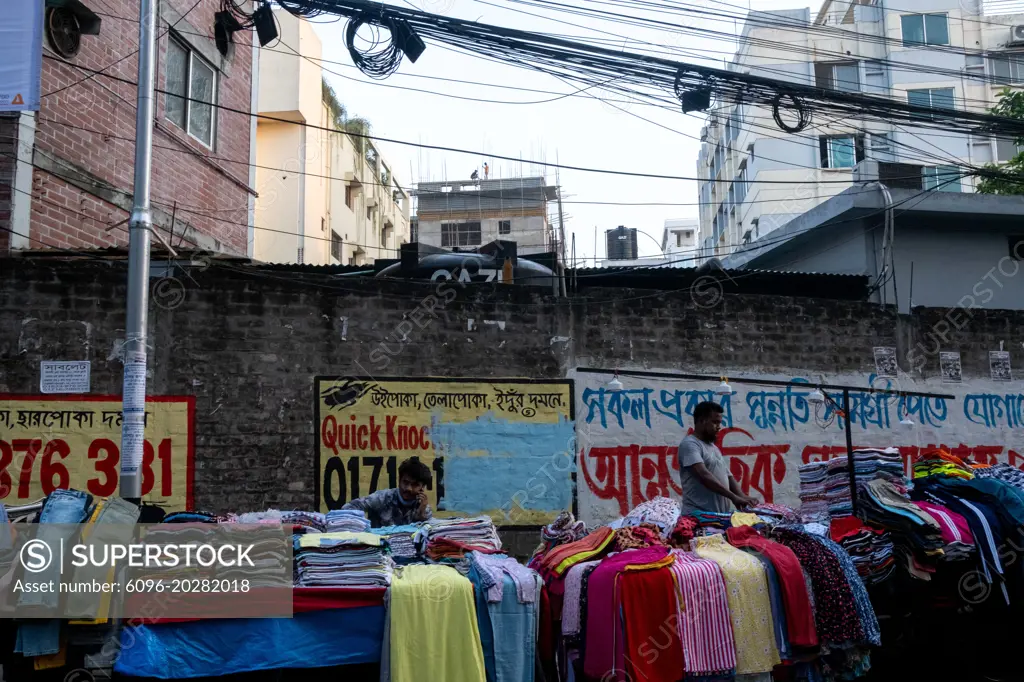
(796, 105)
(642, 76)
(383, 57)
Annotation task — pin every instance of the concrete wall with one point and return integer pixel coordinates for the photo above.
(529, 232)
(248, 344)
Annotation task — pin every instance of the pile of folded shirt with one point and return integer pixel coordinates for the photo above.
(341, 560)
(837, 488)
(956, 533)
(941, 462)
(452, 538)
(873, 463)
(400, 542)
(916, 535)
(305, 522)
(870, 548)
(660, 512)
(351, 520)
(813, 501)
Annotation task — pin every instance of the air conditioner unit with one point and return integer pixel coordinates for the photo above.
(1016, 35)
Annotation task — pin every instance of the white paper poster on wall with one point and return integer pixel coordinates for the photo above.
(64, 377)
(21, 54)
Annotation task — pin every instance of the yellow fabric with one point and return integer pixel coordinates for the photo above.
(313, 539)
(744, 519)
(434, 633)
(50, 661)
(583, 556)
(750, 607)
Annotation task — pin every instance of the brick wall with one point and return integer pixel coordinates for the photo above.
(85, 138)
(248, 342)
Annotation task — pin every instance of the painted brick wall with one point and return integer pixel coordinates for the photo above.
(88, 124)
(248, 342)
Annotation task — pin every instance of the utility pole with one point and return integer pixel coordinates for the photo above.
(133, 424)
(561, 234)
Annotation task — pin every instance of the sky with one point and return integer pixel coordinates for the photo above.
(577, 130)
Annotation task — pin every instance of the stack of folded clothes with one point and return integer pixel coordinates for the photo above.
(837, 488)
(341, 560)
(452, 538)
(916, 535)
(813, 502)
(351, 520)
(870, 548)
(400, 542)
(956, 533)
(306, 522)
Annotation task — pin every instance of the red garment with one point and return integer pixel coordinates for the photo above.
(304, 599)
(653, 648)
(546, 637)
(799, 616)
(843, 527)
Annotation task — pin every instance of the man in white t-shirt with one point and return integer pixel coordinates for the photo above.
(706, 481)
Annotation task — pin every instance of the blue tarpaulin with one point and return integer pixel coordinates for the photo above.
(224, 647)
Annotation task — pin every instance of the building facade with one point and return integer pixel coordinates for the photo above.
(754, 177)
(679, 242)
(476, 212)
(326, 196)
(67, 171)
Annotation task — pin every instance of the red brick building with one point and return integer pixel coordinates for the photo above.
(71, 184)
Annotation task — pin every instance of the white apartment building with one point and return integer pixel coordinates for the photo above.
(325, 198)
(926, 52)
(679, 242)
(468, 214)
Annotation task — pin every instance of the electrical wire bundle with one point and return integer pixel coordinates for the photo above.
(645, 75)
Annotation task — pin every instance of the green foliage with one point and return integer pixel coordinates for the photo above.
(1010, 105)
(356, 127)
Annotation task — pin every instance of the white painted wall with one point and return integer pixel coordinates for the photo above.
(627, 442)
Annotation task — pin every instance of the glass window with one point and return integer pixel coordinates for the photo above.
(1008, 68)
(200, 114)
(942, 178)
(177, 83)
(846, 77)
(936, 29)
(1006, 149)
(192, 91)
(504, 227)
(936, 98)
(841, 152)
(925, 29)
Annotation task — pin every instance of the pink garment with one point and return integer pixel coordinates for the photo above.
(705, 626)
(571, 599)
(953, 526)
(604, 657)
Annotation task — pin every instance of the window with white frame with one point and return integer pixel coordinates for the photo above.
(191, 92)
(934, 98)
(1006, 149)
(1007, 68)
(841, 151)
(925, 29)
(460, 234)
(881, 144)
(842, 76)
(941, 178)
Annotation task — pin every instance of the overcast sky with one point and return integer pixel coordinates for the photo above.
(578, 130)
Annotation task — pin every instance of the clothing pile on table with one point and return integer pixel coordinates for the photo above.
(453, 538)
(350, 520)
(870, 548)
(916, 536)
(400, 542)
(308, 522)
(660, 512)
(813, 501)
(341, 559)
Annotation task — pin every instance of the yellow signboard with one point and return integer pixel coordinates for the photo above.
(49, 442)
(485, 441)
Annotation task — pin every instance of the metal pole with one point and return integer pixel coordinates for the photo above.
(849, 451)
(133, 424)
